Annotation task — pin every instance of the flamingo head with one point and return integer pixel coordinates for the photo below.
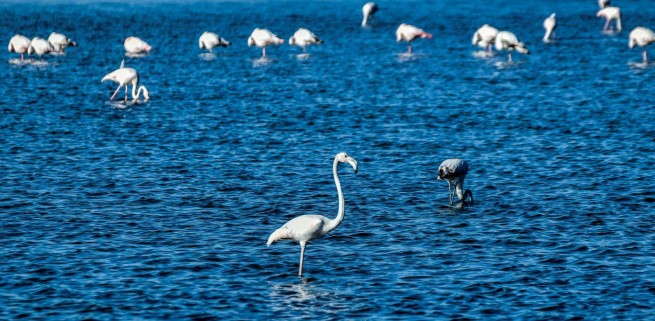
(344, 158)
(292, 41)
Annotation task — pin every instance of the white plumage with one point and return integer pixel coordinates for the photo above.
(549, 25)
(409, 33)
(454, 170)
(610, 13)
(134, 45)
(506, 40)
(124, 77)
(263, 38)
(59, 42)
(39, 46)
(19, 44)
(641, 37)
(308, 227)
(209, 40)
(303, 38)
(368, 10)
(603, 3)
(485, 36)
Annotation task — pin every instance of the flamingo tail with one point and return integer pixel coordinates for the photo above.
(279, 234)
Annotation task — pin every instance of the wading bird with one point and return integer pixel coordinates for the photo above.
(59, 42)
(484, 37)
(124, 77)
(19, 44)
(641, 37)
(40, 47)
(134, 45)
(308, 227)
(610, 13)
(209, 40)
(263, 38)
(506, 40)
(549, 25)
(454, 171)
(303, 38)
(408, 33)
(368, 10)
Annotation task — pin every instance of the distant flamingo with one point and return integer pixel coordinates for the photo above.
(19, 44)
(454, 170)
(369, 10)
(210, 40)
(610, 13)
(59, 42)
(484, 37)
(39, 46)
(124, 77)
(303, 38)
(603, 3)
(506, 40)
(641, 37)
(134, 45)
(308, 227)
(263, 38)
(549, 24)
(408, 33)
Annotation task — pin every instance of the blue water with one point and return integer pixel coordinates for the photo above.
(162, 210)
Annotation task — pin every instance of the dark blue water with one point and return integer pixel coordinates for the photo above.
(162, 210)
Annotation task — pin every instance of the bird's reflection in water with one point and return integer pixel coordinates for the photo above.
(294, 293)
(208, 56)
(259, 62)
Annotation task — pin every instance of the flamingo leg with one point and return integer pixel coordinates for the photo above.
(115, 92)
(409, 47)
(509, 57)
(302, 256)
(450, 193)
(644, 55)
(126, 93)
(264, 52)
(607, 22)
(490, 51)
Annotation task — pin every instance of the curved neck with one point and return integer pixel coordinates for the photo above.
(342, 206)
(136, 94)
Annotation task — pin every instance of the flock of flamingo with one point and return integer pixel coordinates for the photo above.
(308, 227)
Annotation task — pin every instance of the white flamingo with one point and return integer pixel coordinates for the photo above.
(40, 47)
(506, 40)
(610, 13)
(368, 10)
(641, 37)
(134, 45)
(59, 42)
(549, 25)
(19, 44)
(484, 37)
(303, 38)
(124, 77)
(454, 171)
(263, 38)
(209, 40)
(308, 227)
(408, 33)
(603, 3)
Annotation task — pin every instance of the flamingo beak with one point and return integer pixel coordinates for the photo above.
(353, 163)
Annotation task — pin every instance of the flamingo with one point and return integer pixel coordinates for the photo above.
(308, 227)
(209, 40)
(19, 44)
(124, 77)
(408, 33)
(303, 38)
(603, 3)
(40, 47)
(454, 171)
(263, 38)
(610, 13)
(506, 40)
(59, 42)
(369, 9)
(134, 45)
(641, 37)
(485, 36)
(549, 24)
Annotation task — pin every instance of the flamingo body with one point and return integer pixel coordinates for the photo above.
(549, 25)
(506, 40)
(368, 10)
(454, 170)
(263, 38)
(124, 77)
(210, 40)
(485, 36)
(309, 227)
(641, 37)
(39, 46)
(59, 42)
(19, 44)
(409, 33)
(303, 38)
(134, 45)
(610, 13)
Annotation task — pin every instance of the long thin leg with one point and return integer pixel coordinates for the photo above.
(409, 47)
(264, 52)
(450, 193)
(509, 57)
(490, 51)
(125, 93)
(643, 55)
(607, 22)
(115, 92)
(302, 257)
